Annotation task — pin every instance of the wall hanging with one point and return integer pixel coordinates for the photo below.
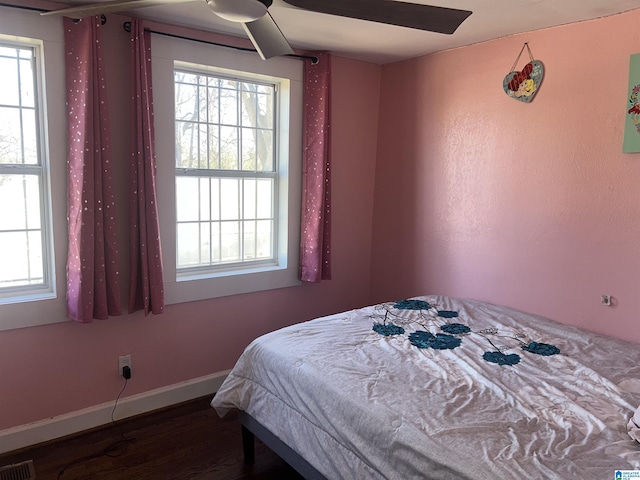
(632, 124)
(524, 85)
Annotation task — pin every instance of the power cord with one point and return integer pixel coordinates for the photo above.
(115, 449)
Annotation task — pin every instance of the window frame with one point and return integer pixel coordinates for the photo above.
(47, 288)
(237, 267)
(169, 54)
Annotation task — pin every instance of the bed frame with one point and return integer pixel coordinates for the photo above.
(251, 428)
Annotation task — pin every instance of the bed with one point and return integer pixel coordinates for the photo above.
(439, 388)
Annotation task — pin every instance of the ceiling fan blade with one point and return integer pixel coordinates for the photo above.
(267, 37)
(88, 10)
(411, 15)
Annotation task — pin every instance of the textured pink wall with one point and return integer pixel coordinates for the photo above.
(54, 369)
(528, 205)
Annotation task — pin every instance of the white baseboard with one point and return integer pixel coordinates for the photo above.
(91, 417)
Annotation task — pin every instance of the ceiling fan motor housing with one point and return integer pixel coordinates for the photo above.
(241, 11)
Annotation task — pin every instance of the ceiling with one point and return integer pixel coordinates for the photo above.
(380, 43)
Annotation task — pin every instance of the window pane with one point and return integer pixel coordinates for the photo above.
(214, 146)
(187, 199)
(215, 242)
(265, 110)
(205, 198)
(264, 234)
(249, 106)
(230, 241)
(203, 108)
(265, 198)
(248, 149)
(229, 107)
(229, 148)
(203, 137)
(21, 258)
(26, 83)
(205, 242)
(29, 137)
(34, 246)
(186, 102)
(186, 77)
(186, 145)
(229, 192)
(188, 245)
(10, 136)
(265, 151)
(214, 105)
(215, 199)
(249, 203)
(10, 91)
(22, 192)
(249, 240)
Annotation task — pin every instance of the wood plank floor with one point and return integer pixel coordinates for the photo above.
(188, 441)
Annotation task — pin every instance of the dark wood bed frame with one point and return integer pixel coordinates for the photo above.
(251, 428)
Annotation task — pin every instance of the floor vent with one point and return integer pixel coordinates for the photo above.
(18, 471)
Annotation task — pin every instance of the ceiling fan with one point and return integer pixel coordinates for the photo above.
(267, 37)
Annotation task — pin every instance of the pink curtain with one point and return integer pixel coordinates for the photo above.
(315, 242)
(92, 262)
(146, 290)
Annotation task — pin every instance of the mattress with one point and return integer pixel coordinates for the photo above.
(443, 388)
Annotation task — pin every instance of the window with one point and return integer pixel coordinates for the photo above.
(228, 135)
(226, 172)
(25, 245)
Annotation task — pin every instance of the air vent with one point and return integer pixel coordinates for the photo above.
(18, 471)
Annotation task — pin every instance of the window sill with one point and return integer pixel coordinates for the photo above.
(190, 287)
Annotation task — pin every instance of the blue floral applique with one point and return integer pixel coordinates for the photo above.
(388, 329)
(544, 349)
(455, 328)
(447, 313)
(439, 341)
(501, 359)
(412, 305)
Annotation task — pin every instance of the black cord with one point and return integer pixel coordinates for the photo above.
(115, 449)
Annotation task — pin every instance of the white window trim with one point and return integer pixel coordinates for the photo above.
(167, 54)
(43, 306)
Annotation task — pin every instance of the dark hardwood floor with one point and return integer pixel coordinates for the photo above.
(188, 441)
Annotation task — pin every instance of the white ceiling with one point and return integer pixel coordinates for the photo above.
(379, 43)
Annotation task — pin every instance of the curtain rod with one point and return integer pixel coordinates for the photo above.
(127, 27)
(23, 7)
(103, 17)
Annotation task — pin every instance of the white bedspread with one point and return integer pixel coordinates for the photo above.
(360, 405)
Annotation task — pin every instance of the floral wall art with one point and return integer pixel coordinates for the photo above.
(632, 123)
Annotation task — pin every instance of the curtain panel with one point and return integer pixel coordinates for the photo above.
(146, 290)
(315, 240)
(92, 262)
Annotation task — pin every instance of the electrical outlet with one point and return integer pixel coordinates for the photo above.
(124, 361)
(605, 300)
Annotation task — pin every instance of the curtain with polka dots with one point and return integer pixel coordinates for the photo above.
(92, 263)
(315, 240)
(146, 290)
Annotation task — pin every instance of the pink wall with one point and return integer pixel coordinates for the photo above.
(54, 369)
(528, 205)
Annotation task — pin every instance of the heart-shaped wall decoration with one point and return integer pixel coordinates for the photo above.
(524, 85)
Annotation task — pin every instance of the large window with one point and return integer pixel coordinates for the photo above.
(226, 172)
(25, 248)
(228, 135)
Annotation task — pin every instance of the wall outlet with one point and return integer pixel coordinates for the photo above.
(605, 300)
(124, 361)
